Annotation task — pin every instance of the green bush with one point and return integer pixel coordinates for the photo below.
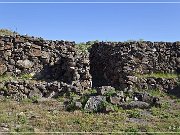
(110, 93)
(157, 92)
(22, 119)
(90, 92)
(83, 47)
(84, 99)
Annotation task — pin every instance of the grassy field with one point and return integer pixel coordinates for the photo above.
(50, 116)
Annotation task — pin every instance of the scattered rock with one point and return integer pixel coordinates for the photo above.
(35, 93)
(145, 97)
(94, 103)
(135, 104)
(115, 100)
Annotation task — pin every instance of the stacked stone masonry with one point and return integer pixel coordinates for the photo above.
(117, 64)
(58, 67)
(51, 61)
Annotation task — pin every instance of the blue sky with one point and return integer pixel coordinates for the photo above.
(84, 22)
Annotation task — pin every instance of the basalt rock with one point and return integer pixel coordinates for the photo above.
(145, 97)
(45, 59)
(113, 68)
(117, 64)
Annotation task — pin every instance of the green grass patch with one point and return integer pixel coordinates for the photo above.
(157, 92)
(90, 92)
(134, 113)
(4, 78)
(161, 113)
(158, 75)
(110, 93)
(39, 118)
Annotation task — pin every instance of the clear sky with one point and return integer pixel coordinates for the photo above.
(84, 22)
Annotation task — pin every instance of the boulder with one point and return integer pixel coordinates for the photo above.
(35, 93)
(94, 104)
(145, 97)
(115, 100)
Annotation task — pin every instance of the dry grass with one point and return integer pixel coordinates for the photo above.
(31, 117)
(4, 32)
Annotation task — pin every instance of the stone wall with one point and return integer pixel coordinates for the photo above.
(117, 64)
(45, 60)
(58, 67)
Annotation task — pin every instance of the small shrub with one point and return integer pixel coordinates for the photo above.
(115, 108)
(102, 106)
(135, 113)
(71, 106)
(34, 99)
(84, 100)
(22, 119)
(26, 76)
(110, 93)
(83, 47)
(157, 92)
(90, 92)
(72, 94)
